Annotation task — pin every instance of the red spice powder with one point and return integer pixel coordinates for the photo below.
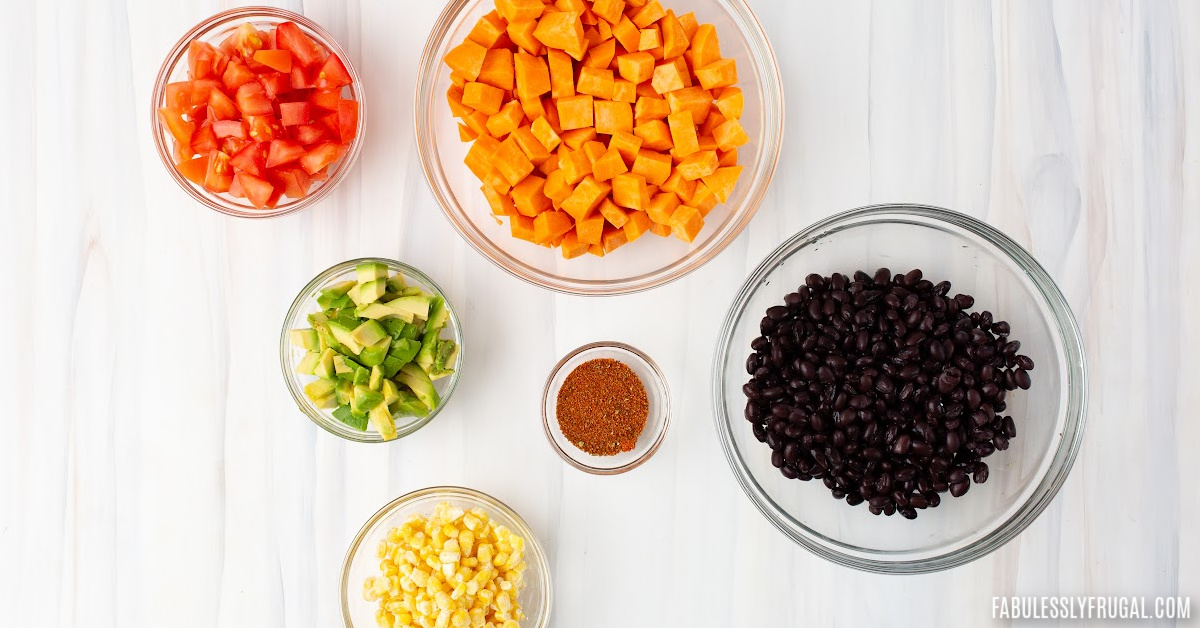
(602, 407)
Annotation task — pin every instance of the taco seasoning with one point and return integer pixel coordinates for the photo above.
(602, 407)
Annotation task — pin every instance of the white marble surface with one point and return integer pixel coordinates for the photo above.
(154, 472)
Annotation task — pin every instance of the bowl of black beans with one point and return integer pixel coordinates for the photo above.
(900, 388)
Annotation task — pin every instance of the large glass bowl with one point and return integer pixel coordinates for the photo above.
(290, 355)
(536, 599)
(1004, 278)
(214, 30)
(649, 262)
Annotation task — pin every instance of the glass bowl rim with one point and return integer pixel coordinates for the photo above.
(331, 425)
(457, 492)
(1063, 323)
(176, 56)
(659, 379)
(772, 90)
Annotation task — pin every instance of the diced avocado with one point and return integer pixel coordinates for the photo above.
(362, 376)
(318, 388)
(344, 391)
(409, 405)
(391, 393)
(412, 291)
(365, 399)
(391, 366)
(369, 292)
(370, 271)
(368, 333)
(308, 363)
(324, 368)
(438, 314)
(404, 350)
(329, 301)
(304, 338)
(381, 418)
(338, 289)
(433, 328)
(347, 416)
(341, 367)
(398, 329)
(415, 306)
(418, 381)
(374, 310)
(318, 320)
(396, 283)
(443, 359)
(375, 354)
(376, 380)
(342, 331)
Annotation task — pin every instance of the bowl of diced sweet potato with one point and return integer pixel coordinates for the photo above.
(599, 147)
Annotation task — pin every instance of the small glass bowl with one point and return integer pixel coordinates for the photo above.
(290, 355)
(536, 599)
(640, 265)
(657, 419)
(214, 30)
(1005, 279)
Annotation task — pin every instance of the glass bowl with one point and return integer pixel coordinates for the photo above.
(977, 260)
(214, 30)
(536, 599)
(290, 355)
(637, 266)
(657, 419)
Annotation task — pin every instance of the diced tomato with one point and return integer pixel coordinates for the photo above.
(230, 128)
(236, 75)
(204, 141)
(252, 100)
(320, 156)
(294, 181)
(302, 77)
(333, 73)
(232, 145)
(275, 84)
(347, 119)
(235, 189)
(179, 128)
(263, 128)
(201, 88)
(326, 98)
(252, 159)
(310, 133)
(245, 41)
(179, 95)
(219, 175)
(288, 36)
(258, 191)
(331, 123)
(294, 113)
(222, 106)
(200, 60)
(278, 60)
(274, 199)
(320, 175)
(283, 152)
(194, 169)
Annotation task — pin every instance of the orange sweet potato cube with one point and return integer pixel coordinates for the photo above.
(689, 24)
(601, 55)
(457, 79)
(533, 77)
(686, 223)
(477, 122)
(545, 134)
(506, 120)
(615, 215)
(478, 159)
(695, 99)
(727, 157)
(731, 103)
(613, 117)
(624, 91)
(574, 112)
(549, 225)
(594, 150)
(596, 250)
(636, 225)
(650, 39)
(529, 196)
(610, 11)
(650, 13)
(629, 191)
(707, 142)
(656, 167)
(586, 197)
(590, 230)
(576, 138)
(465, 133)
(655, 135)
(522, 227)
(715, 119)
(454, 97)
(698, 165)
(550, 165)
(720, 73)
(636, 67)
(487, 30)
(562, 74)
(609, 165)
(482, 97)
(652, 108)
(497, 69)
(613, 238)
(511, 161)
(597, 82)
(521, 34)
(466, 59)
(683, 133)
(627, 144)
(564, 31)
(493, 179)
(675, 40)
(627, 34)
(556, 187)
(572, 6)
(572, 247)
(730, 135)
(574, 165)
(662, 206)
(513, 10)
(722, 182)
(531, 145)
(685, 73)
(501, 204)
(533, 108)
(682, 188)
(703, 199)
(660, 230)
(705, 49)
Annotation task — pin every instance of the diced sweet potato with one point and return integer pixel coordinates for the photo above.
(596, 250)
(723, 181)
(529, 197)
(597, 82)
(660, 230)
(497, 69)
(613, 238)
(715, 119)
(610, 11)
(727, 157)
(534, 108)
(675, 40)
(689, 24)
(683, 133)
(655, 135)
(698, 165)
(478, 160)
(652, 108)
(590, 230)
(572, 247)
(730, 135)
(627, 34)
(483, 98)
(506, 120)
(586, 197)
(624, 91)
(720, 73)
(627, 144)
(466, 59)
(650, 39)
(686, 223)
(550, 165)
(522, 227)
(501, 204)
(576, 138)
(556, 187)
(546, 135)
(703, 199)
(601, 55)
(549, 225)
(705, 48)
(636, 225)
(533, 77)
(493, 179)
(594, 150)
(685, 72)
(629, 191)
(695, 99)
(465, 133)
(609, 165)
(656, 167)
(613, 117)
(531, 145)
(522, 34)
(636, 67)
(514, 10)
(574, 165)
(682, 188)
(562, 74)
(615, 215)
(574, 112)
(731, 103)
(662, 206)
(563, 31)
(454, 98)
(511, 161)
(487, 30)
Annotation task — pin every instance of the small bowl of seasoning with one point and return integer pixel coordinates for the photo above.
(606, 408)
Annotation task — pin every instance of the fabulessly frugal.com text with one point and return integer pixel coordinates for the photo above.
(1091, 607)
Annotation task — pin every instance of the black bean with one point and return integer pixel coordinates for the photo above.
(1021, 378)
(981, 472)
(1025, 362)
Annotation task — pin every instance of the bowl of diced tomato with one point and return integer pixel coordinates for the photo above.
(258, 112)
